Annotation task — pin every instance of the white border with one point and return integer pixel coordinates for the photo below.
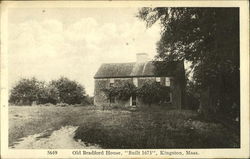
(243, 152)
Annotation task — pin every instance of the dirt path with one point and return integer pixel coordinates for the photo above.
(60, 139)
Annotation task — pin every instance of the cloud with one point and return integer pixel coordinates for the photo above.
(49, 49)
(84, 30)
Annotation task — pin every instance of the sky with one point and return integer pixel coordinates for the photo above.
(48, 43)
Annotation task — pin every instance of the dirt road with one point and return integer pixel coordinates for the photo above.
(60, 139)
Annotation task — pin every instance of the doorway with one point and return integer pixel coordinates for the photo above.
(133, 100)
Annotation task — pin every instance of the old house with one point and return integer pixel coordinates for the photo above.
(138, 72)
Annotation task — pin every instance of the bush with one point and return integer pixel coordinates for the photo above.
(62, 104)
(70, 92)
(192, 95)
(63, 90)
(26, 91)
(48, 94)
(153, 92)
(192, 102)
(88, 100)
(125, 90)
(122, 90)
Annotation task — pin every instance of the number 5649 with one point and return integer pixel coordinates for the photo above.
(52, 152)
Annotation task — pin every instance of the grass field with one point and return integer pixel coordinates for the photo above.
(147, 128)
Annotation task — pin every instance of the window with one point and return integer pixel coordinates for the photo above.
(158, 79)
(111, 82)
(133, 100)
(167, 81)
(135, 81)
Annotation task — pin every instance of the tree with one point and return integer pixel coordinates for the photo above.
(70, 92)
(48, 94)
(209, 39)
(153, 92)
(125, 90)
(63, 90)
(121, 90)
(26, 91)
(192, 95)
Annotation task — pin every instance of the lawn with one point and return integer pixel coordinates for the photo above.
(116, 128)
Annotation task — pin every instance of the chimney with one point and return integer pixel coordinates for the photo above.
(141, 57)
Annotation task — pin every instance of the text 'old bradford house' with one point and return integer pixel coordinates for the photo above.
(137, 72)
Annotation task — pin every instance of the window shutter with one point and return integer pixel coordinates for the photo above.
(158, 79)
(167, 81)
(135, 81)
(112, 80)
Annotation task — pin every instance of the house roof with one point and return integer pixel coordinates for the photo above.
(133, 69)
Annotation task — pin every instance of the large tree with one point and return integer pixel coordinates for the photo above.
(209, 39)
(48, 94)
(26, 91)
(70, 92)
(63, 90)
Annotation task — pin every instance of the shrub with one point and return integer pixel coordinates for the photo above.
(192, 95)
(63, 90)
(122, 90)
(88, 100)
(125, 90)
(70, 92)
(48, 94)
(62, 104)
(192, 102)
(26, 91)
(153, 92)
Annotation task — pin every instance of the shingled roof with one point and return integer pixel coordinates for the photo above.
(133, 69)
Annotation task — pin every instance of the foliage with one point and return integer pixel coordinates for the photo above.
(165, 68)
(153, 92)
(150, 92)
(206, 37)
(121, 90)
(70, 92)
(125, 90)
(63, 90)
(192, 96)
(48, 94)
(152, 129)
(25, 91)
(88, 100)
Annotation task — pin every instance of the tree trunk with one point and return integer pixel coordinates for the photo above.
(205, 102)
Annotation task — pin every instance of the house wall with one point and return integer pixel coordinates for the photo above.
(101, 100)
(99, 96)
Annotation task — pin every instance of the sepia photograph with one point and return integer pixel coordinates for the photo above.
(96, 78)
